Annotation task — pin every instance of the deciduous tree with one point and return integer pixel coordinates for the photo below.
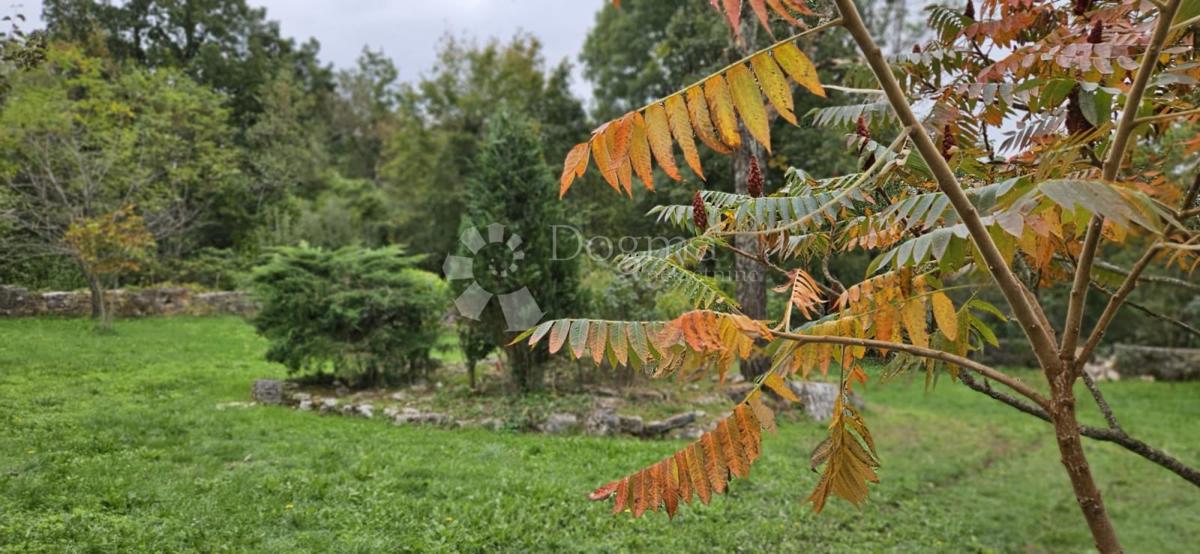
(1081, 94)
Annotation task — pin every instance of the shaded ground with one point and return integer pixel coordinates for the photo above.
(115, 444)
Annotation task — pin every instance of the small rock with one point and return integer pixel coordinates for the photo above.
(399, 395)
(646, 395)
(660, 427)
(559, 423)
(427, 418)
(603, 421)
(605, 391)
(328, 404)
(817, 398)
(366, 410)
(631, 425)
(492, 423)
(390, 412)
(304, 405)
(341, 391)
(267, 391)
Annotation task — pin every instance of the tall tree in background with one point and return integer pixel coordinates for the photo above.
(440, 122)
(511, 186)
(225, 44)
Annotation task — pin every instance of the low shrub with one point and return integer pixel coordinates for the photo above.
(367, 316)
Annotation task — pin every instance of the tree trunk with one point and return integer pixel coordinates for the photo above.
(471, 373)
(1070, 447)
(97, 294)
(749, 275)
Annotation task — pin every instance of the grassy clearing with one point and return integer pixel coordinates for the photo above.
(116, 443)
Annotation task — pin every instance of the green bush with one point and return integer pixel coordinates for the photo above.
(364, 315)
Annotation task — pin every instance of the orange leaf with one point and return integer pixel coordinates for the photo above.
(714, 464)
(639, 152)
(760, 11)
(702, 122)
(618, 146)
(733, 12)
(696, 472)
(658, 132)
(783, 12)
(573, 166)
(603, 161)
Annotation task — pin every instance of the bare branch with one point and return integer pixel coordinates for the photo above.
(960, 361)
(1115, 436)
(1114, 304)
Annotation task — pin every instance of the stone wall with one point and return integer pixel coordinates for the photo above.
(1167, 364)
(20, 302)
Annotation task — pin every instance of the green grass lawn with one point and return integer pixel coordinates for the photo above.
(116, 443)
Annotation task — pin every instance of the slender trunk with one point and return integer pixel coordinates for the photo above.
(749, 275)
(97, 295)
(471, 373)
(1070, 447)
(102, 303)
(1027, 310)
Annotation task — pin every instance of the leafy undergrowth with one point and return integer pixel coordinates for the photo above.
(115, 443)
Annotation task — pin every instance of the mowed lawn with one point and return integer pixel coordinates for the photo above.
(116, 444)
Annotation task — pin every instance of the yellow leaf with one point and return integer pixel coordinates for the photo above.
(774, 85)
(943, 314)
(702, 122)
(777, 384)
(658, 132)
(913, 314)
(716, 92)
(677, 114)
(575, 165)
(749, 103)
(639, 152)
(798, 66)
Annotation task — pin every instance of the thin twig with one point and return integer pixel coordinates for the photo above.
(1156, 279)
(1101, 402)
(1172, 320)
(1114, 304)
(1161, 116)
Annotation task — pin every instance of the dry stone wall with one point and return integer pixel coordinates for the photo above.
(163, 301)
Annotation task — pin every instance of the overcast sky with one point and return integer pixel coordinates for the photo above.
(408, 30)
